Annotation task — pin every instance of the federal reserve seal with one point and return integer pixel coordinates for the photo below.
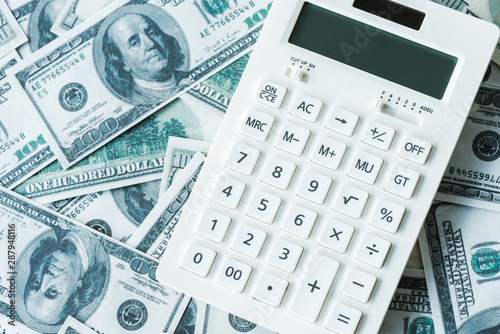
(486, 146)
(486, 262)
(240, 324)
(215, 7)
(73, 97)
(132, 314)
(100, 226)
(421, 325)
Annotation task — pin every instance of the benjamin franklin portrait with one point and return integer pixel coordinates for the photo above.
(41, 22)
(484, 322)
(141, 54)
(66, 275)
(137, 201)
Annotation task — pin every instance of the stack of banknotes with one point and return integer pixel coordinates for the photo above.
(107, 111)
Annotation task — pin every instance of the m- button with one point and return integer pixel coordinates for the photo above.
(414, 149)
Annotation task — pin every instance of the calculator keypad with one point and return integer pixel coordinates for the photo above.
(402, 181)
(292, 139)
(342, 121)
(243, 158)
(270, 289)
(314, 288)
(228, 192)
(373, 250)
(300, 221)
(344, 319)
(285, 255)
(358, 285)
(198, 260)
(387, 216)
(314, 187)
(329, 153)
(272, 203)
(378, 135)
(264, 206)
(365, 167)
(278, 172)
(249, 240)
(234, 274)
(270, 94)
(351, 201)
(306, 107)
(257, 125)
(336, 235)
(415, 150)
(213, 226)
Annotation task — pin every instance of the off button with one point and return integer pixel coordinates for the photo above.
(270, 94)
(415, 149)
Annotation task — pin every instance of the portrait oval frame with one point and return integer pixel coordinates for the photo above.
(118, 195)
(483, 320)
(23, 271)
(167, 23)
(33, 32)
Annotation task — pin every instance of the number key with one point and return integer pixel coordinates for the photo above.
(228, 192)
(198, 260)
(234, 274)
(249, 240)
(243, 158)
(314, 187)
(285, 255)
(264, 206)
(300, 221)
(213, 226)
(278, 172)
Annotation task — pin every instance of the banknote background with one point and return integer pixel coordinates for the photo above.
(126, 192)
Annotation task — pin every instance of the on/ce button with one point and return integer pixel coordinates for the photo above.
(415, 149)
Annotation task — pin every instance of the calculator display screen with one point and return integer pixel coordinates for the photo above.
(372, 50)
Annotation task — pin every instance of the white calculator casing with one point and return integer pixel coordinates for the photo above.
(339, 86)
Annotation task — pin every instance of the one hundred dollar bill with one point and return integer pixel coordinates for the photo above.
(488, 10)
(23, 149)
(73, 326)
(187, 323)
(461, 254)
(136, 156)
(36, 17)
(75, 12)
(415, 259)
(62, 268)
(179, 152)
(211, 320)
(154, 234)
(410, 309)
(11, 33)
(118, 67)
(473, 173)
(117, 212)
(218, 90)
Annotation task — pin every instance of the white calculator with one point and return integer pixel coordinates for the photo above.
(321, 175)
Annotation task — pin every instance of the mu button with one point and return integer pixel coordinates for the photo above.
(365, 167)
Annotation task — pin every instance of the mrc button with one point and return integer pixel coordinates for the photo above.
(257, 125)
(270, 94)
(416, 150)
